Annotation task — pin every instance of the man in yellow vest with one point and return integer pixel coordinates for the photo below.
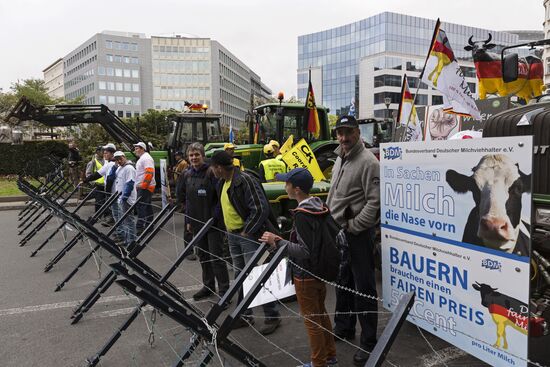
(92, 167)
(276, 149)
(230, 149)
(271, 166)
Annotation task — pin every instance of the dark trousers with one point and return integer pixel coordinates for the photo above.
(100, 197)
(210, 252)
(144, 209)
(361, 277)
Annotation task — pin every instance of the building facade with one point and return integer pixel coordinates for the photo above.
(131, 73)
(364, 62)
(53, 79)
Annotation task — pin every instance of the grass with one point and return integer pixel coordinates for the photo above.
(8, 187)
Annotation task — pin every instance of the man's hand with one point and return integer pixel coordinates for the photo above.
(270, 238)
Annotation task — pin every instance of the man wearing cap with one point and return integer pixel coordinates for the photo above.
(354, 201)
(145, 185)
(246, 215)
(91, 167)
(230, 149)
(271, 166)
(108, 172)
(125, 186)
(180, 166)
(276, 149)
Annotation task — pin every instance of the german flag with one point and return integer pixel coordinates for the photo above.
(311, 116)
(407, 115)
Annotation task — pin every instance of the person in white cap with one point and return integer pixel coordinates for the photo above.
(125, 186)
(145, 185)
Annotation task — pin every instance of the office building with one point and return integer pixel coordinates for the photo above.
(364, 62)
(53, 79)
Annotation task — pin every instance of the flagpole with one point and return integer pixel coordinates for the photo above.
(437, 25)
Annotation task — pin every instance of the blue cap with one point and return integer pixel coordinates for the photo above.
(299, 177)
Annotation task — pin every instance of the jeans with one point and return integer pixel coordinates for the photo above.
(213, 267)
(311, 295)
(362, 279)
(241, 250)
(128, 226)
(99, 196)
(115, 210)
(144, 209)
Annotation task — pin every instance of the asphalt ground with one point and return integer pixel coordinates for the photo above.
(35, 327)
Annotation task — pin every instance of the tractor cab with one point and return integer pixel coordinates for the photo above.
(375, 131)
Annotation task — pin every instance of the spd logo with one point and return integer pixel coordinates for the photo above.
(491, 264)
(392, 153)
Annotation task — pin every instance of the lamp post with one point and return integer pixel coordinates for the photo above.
(387, 102)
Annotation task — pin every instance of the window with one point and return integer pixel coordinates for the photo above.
(127, 73)
(112, 99)
(102, 99)
(126, 59)
(128, 100)
(101, 70)
(414, 65)
(118, 72)
(116, 45)
(468, 71)
(110, 71)
(472, 87)
(379, 97)
(135, 87)
(109, 57)
(125, 46)
(134, 46)
(437, 100)
(387, 80)
(119, 86)
(119, 100)
(135, 60)
(120, 113)
(102, 85)
(127, 87)
(117, 58)
(135, 73)
(136, 101)
(128, 114)
(108, 44)
(110, 85)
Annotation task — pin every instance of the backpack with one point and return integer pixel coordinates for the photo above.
(326, 253)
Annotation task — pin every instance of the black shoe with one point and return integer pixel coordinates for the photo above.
(349, 335)
(241, 322)
(270, 326)
(360, 358)
(202, 293)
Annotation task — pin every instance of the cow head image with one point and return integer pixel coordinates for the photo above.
(497, 185)
(484, 290)
(479, 47)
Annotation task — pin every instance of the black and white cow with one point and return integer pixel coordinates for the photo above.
(497, 185)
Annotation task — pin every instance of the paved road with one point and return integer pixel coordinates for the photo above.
(35, 328)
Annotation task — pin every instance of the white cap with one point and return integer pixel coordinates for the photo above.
(109, 146)
(141, 145)
(118, 153)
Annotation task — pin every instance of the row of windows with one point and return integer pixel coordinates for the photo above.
(80, 91)
(230, 121)
(176, 105)
(79, 78)
(129, 101)
(225, 59)
(121, 58)
(80, 54)
(232, 110)
(187, 66)
(396, 63)
(126, 87)
(396, 80)
(234, 88)
(81, 65)
(89, 101)
(121, 73)
(181, 79)
(116, 45)
(230, 74)
(190, 94)
(181, 49)
(233, 99)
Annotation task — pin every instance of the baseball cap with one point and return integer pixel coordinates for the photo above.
(118, 153)
(222, 158)
(99, 149)
(346, 121)
(110, 147)
(299, 177)
(268, 149)
(275, 143)
(141, 145)
(229, 146)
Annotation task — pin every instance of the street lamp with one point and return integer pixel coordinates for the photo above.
(387, 102)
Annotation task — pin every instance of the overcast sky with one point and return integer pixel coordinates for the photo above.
(263, 34)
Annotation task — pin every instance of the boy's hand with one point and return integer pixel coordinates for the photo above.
(270, 238)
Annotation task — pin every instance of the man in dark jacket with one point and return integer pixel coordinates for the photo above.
(246, 214)
(196, 188)
(74, 161)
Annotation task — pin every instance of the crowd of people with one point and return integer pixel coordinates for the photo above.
(221, 188)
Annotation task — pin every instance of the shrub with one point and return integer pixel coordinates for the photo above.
(14, 158)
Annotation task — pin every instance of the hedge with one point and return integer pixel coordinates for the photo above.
(14, 158)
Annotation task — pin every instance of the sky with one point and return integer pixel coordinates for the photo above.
(263, 34)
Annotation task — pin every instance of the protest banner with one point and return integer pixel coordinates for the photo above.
(459, 238)
(275, 288)
(301, 155)
(440, 125)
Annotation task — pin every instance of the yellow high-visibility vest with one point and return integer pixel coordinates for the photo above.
(272, 167)
(98, 165)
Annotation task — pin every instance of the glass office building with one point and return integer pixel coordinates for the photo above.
(364, 62)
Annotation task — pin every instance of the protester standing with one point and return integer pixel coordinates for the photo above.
(354, 201)
(74, 160)
(197, 191)
(125, 186)
(230, 149)
(92, 167)
(304, 239)
(180, 166)
(246, 215)
(145, 185)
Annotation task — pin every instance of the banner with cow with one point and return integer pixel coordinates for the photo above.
(456, 230)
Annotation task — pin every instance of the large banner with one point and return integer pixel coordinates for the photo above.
(455, 230)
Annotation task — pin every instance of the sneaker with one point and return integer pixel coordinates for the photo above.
(241, 322)
(332, 362)
(202, 293)
(270, 326)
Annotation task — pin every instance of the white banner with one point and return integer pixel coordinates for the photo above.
(164, 185)
(276, 287)
(440, 125)
(458, 237)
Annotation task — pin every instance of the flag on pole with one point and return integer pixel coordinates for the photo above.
(231, 137)
(442, 72)
(256, 130)
(407, 115)
(311, 116)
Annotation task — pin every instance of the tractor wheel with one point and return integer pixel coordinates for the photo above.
(326, 159)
